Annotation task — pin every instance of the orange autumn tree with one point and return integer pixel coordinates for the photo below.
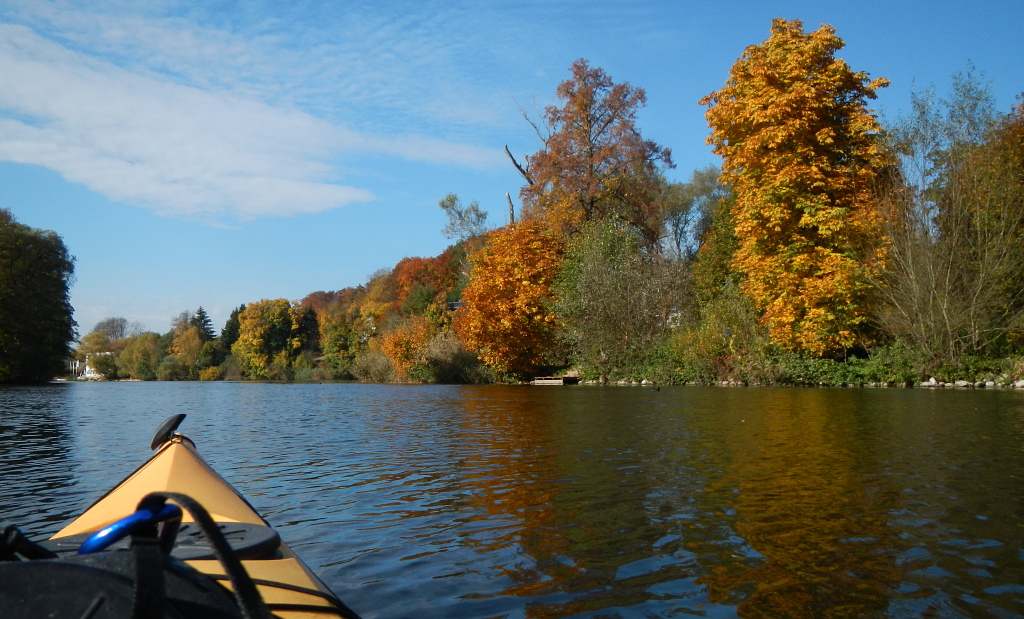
(595, 164)
(800, 149)
(423, 282)
(505, 318)
(406, 346)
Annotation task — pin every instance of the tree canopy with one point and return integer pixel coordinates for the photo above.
(800, 149)
(820, 241)
(36, 325)
(956, 220)
(464, 222)
(115, 326)
(595, 164)
(613, 300)
(507, 318)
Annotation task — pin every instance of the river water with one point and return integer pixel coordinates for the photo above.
(467, 502)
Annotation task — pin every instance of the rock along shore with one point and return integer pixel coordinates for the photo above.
(931, 383)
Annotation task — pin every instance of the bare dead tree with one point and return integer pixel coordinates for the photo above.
(523, 171)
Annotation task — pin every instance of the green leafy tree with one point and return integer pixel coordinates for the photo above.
(171, 368)
(229, 334)
(340, 332)
(714, 265)
(727, 343)
(101, 353)
(36, 328)
(305, 335)
(956, 220)
(272, 333)
(188, 347)
(94, 342)
(464, 222)
(615, 302)
(105, 364)
(690, 208)
(140, 357)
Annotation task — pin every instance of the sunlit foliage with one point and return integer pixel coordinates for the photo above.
(340, 336)
(956, 219)
(799, 148)
(464, 222)
(140, 357)
(615, 302)
(406, 346)
(506, 318)
(594, 163)
(271, 334)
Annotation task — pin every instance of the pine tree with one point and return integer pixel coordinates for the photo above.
(201, 320)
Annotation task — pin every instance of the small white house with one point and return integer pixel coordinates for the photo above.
(90, 372)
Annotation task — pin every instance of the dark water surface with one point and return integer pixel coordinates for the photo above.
(439, 501)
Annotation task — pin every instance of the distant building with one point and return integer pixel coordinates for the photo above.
(90, 372)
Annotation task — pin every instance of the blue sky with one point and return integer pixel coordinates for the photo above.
(216, 153)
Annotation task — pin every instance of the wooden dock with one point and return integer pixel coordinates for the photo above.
(555, 380)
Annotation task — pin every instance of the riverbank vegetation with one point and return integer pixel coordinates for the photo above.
(831, 247)
(36, 328)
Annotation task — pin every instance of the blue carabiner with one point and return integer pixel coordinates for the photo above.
(129, 524)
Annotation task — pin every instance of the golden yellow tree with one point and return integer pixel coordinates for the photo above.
(187, 346)
(264, 333)
(506, 318)
(800, 149)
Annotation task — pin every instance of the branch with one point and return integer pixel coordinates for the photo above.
(525, 174)
(536, 128)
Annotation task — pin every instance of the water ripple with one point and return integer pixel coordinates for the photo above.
(519, 502)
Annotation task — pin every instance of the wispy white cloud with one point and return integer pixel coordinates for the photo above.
(187, 119)
(171, 148)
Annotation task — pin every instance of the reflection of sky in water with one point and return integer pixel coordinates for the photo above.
(557, 502)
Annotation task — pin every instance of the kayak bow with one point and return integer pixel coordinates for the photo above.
(289, 588)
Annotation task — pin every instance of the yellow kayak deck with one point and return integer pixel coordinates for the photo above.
(288, 587)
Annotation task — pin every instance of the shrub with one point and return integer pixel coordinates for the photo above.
(172, 369)
(892, 364)
(448, 362)
(728, 342)
(229, 370)
(280, 368)
(371, 365)
(974, 368)
(210, 373)
(406, 348)
(105, 365)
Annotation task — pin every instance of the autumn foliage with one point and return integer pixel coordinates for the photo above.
(271, 334)
(799, 148)
(507, 318)
(406, 346)
(595, 164)
(818, 233)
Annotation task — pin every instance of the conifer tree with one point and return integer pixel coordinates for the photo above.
(201, 320)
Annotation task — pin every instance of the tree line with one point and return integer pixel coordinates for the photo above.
(830, 247)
